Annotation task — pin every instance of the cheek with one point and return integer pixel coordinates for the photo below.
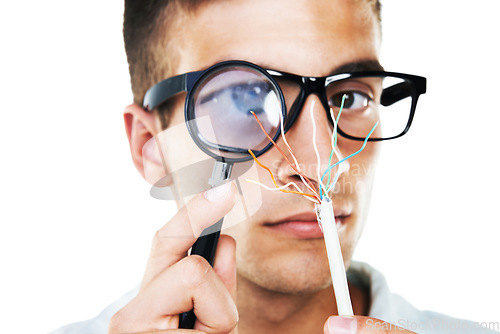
(361, 176)
(362, 164)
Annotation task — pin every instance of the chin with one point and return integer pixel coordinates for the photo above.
(288, 274)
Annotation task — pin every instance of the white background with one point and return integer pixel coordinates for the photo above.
(77, 219)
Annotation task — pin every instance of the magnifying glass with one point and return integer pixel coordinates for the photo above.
(218, 113)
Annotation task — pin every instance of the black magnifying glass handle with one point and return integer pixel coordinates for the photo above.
(206, 245)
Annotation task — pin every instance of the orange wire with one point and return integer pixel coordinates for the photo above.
(284, 156)
(274, 181)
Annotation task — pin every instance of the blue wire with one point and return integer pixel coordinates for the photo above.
(350, 156)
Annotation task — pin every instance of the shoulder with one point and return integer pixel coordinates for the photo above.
(393, 308)
(100, 323)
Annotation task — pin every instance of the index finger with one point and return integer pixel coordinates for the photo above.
(173, 240)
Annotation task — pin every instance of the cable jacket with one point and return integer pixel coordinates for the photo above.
(337, 269)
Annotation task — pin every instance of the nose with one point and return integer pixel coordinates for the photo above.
(310, 139)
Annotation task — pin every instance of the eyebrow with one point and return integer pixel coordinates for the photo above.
(359, 66)
(355, 66)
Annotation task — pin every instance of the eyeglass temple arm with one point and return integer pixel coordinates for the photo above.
(167, 88)
(395, 93)
(400, 91)
(163, 90)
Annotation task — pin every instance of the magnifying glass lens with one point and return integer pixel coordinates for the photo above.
(222, 106)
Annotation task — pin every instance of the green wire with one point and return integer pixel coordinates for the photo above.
(335, 138)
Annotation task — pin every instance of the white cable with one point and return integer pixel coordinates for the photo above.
(326, 219)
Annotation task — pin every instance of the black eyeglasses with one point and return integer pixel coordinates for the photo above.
(220, 99)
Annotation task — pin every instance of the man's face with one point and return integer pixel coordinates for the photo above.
(309, 38)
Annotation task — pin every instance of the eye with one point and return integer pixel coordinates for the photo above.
(353, 100)
(250, 97)
(238, 98)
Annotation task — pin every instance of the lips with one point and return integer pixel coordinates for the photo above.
(303, 225)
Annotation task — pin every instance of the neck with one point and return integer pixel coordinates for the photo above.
(264, 311)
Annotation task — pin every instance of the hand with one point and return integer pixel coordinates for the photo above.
(174, 283)
(360, 325)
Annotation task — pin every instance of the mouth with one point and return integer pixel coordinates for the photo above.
(304, 225)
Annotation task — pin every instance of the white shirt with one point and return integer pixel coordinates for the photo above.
(385, 305)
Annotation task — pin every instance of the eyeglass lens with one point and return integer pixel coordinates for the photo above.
(368, 100)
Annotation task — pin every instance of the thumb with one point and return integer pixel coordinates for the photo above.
(225, 263)
(360, 325)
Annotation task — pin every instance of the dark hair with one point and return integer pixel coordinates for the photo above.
(146, 38)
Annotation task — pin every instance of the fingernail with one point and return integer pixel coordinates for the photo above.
(217, 193)
(342, 325)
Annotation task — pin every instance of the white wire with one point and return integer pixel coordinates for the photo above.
(335, 126)
(275, 188)
(283, 187)
(315, 146)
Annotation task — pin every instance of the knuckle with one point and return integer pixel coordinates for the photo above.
(227, 323)
(196, 270)
(226, 320)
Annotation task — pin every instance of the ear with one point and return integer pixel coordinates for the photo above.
(141, 126)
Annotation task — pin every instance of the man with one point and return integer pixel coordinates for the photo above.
(271, 273)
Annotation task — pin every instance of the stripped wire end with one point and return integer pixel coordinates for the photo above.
(322, 192)
(317, 200)
(317, 210)
(297, 170)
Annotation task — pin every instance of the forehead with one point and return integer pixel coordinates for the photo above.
(298, 36)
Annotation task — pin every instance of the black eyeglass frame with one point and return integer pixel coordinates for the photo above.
(187, 82)
(317, 85)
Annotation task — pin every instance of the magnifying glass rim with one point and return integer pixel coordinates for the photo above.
(190, 117)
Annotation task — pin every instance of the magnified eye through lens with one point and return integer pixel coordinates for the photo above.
(224, 100)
